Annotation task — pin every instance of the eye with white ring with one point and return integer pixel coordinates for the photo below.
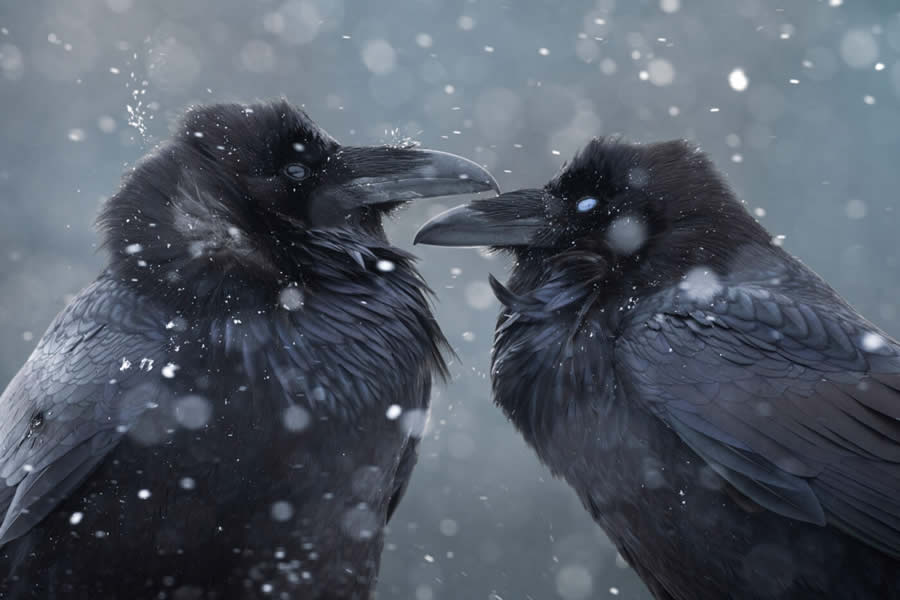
(297, 172)
(586, 204)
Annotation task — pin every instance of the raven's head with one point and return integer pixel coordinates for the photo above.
(659, 207)
(241, 190)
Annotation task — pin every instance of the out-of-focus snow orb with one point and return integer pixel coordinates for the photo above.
(360, 523)
(626, 234)
(193, 411)
(738, 80)
(393, 412)
(296, 418)
(871, 341)
(187, 483)
(669, 6)
(11, 62)
(859, 48)
(415, 422)
(700, 284)
(291, 298)
(424, 40)
(281, 511)
(106, 124)
(449, 527)
(855, 209)
(76, 135)
(296, 21)
(466, 23)
(76, 518)
(144, 494)
(661, 72)
(479, 295)
(257, 56)
(574, 582)
(385, 266)
(379, 56)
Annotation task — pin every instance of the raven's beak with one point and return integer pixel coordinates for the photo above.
(388, 175)
(512, 219)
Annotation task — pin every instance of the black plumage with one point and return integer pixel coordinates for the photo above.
(225, 412)
(727, 418)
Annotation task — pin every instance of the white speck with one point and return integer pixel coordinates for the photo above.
(76, 135)
(669, 6)
(393, 412)
(76, 517)
(143, 494)
(449, 89)
(28, 468)
(643, 75)
(737, 158)
(133, 249)
(379, 56)
(385, 266)
(855, 209)
(296, 418)
(714, 109)
(424, 40)
(869, 99)
(879, 66)
(266, 588)
(126, 364)
(187, 483)
(282, 511)
(738, 80)
(198, 134)
(700, 284)
(555, 152)
(544, 51)
(429, 558)
(466, 23)
(146, 364)
(778, 240)
(759, 212)
(168, 371)
(468, 336)
(114, 70)
(835, 2)
(859, 48)
(871, 342)
(586, 204)
(794, 81)
(299, 147)
(488, 49)
(291, 298)
(614, 591)
(661, 72)
(27, 336)
(674, 111)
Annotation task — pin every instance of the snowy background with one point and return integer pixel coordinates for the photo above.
(796, 101)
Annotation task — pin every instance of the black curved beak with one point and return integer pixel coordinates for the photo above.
(385, 175)
(511, 219)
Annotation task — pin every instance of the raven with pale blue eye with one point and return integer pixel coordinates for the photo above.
(233, 408)
(727, 418)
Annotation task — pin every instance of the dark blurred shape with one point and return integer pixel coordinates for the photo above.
(728, 419)
(232, 409)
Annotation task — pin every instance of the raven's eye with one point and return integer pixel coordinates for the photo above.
(586, 204)
(297, 172)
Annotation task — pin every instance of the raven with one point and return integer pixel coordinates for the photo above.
(231, 409)
(726, 417)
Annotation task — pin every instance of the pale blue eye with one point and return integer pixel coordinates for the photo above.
(586, 204)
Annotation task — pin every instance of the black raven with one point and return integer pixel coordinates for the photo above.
(231, 409)
(726, 417)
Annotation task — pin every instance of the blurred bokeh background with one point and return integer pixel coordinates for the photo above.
(796, 101)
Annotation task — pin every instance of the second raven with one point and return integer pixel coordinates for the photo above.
(727, 418)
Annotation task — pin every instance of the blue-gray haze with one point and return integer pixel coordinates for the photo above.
(796, 101)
